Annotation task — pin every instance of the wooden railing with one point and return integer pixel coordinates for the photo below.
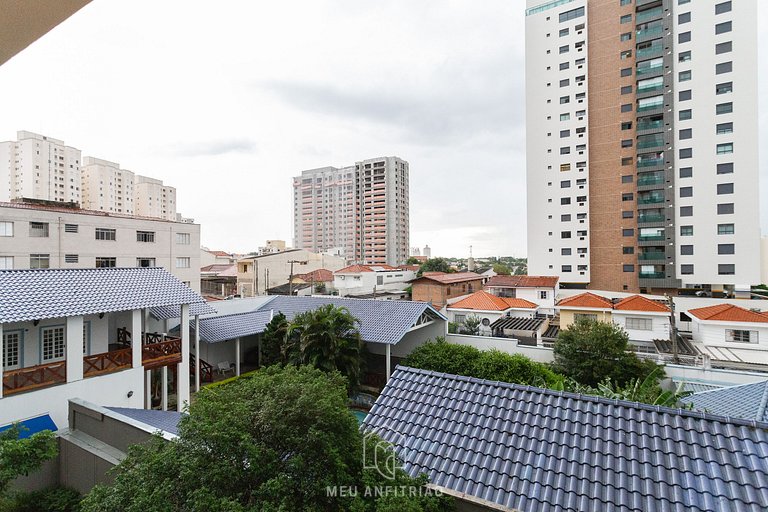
(163, 353)
(206, 369)
(33, 377)
(107, 362)
(123, 336)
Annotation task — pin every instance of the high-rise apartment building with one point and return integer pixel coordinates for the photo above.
(359, 212)
(636, 181)
(39, 167)
(106, 187)
(153, 199)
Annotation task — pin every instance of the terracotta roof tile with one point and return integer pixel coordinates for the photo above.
(524, 281)
(482, 301)
(640, 303)
(521, 303)
(586, 300)
(728, 313)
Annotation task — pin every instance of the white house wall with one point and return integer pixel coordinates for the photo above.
(109, 390)
(659, 326)
(713, 333)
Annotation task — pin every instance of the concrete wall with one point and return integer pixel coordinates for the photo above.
(567, 317)
(125, 248)
(508, 345)
(364, 282)
(713, 333)
(107, 390)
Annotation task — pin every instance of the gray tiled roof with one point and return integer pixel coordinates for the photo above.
(539, 450)
(381, 321)
(169, 312)
(167, 421)
(747, 401)
(55, 293)
(229, 327)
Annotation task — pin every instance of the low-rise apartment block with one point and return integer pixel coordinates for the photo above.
(49, 235)
(366, 279)
(257, 274)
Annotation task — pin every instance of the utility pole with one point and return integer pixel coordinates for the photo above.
(290, 277)
(675, 354)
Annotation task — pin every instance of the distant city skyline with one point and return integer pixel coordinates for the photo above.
(227, 103)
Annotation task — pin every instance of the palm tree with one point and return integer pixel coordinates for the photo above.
(328, 339)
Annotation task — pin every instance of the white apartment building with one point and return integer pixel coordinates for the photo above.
(635, 182)
(39, 167)
(256, 274)
(360, 212)
(153, 199)
(106, 187)
(367, 279)
(51, 236)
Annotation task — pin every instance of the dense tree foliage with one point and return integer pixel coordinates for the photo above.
(326, 338)
(273, 340)
(21, 456)
(501, 269)
(441, 356)
(274, 441)
(590, 352)
(435, 265)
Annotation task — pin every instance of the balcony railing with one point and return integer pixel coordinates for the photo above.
(648, 144)
(649, 15)
(164, 353)
(34, 377)
(650, 238)
(649, 32)
(652, 275)
(651, 256)
(650, 180)
(650, 199)
(650, 106)
(652, 125)
(652, 217)
(650, 162)
(652, 51)
(107, 362)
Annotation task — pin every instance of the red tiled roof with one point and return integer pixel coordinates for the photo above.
(456, 277)
(320, 275)
(484, 301)
(520, 303)
(728, 313)
(640, 303)
(524, 281)
(413, 268)
(220, 253)
(586, 300)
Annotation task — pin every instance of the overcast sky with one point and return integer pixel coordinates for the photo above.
(228, 100)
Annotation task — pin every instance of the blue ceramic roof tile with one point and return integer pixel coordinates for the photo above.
(381, 321)
(168, 312)
(534, 450)
(54, 293)
(228, 327)
(746, 401)
(167, 421)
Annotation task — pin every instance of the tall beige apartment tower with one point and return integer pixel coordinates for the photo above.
(107, 187)
(39, 167)
(359, 212)
(642, 156)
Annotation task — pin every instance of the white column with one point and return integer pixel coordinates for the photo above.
(74, 348)
(197, 353)
(164, 388)
(182, 383)
(389, 360)
(148, 389)
(136, 338)
(237, 356)
(2, 359)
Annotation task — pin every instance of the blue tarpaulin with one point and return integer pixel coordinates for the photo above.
(33, 426)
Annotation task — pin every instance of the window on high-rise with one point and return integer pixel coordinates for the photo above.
(725, 47)
(723, 67)
(722, 28)
(725, 148)
(724, 88)
(722, 8)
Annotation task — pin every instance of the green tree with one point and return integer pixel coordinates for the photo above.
(590, 352)
(21, 456)
(521, 270)
(273, 341)
(472, 325)
(501, 269)
(435, 265)
(413, 261)
(441, 356)
(327, 338)
(272, 442)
